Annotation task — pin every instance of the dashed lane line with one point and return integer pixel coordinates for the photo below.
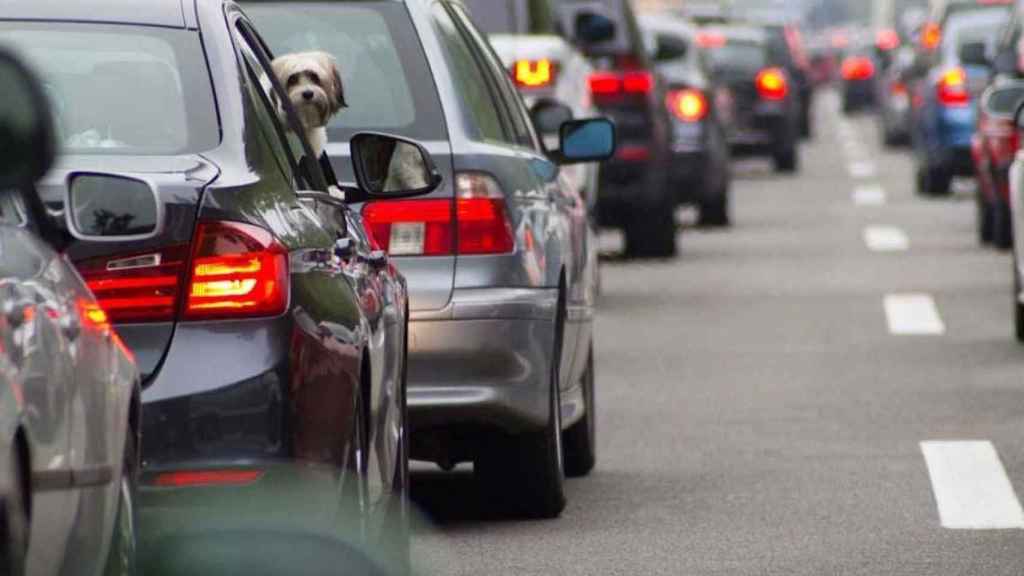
(869, 195)
(861, 170)
(913, 315)
(971, 488)
(886, 239)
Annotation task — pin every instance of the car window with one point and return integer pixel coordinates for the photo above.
(11, 212)
(470, 84)
(385, 74)
(737, 57)
(969, 27)
(519, 118)
(165, 102)
(513, 16)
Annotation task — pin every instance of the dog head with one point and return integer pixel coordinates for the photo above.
(313, 84)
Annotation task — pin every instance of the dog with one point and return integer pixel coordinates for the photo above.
(313, 83)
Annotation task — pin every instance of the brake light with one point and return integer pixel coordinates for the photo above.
(931, 36)
(687, 105)
(771, 84)
(142, 287)
(195, 478)
(858, 68)
(238, 270)
(898, 89)
(613, 83)
(887, 40)
(534, 73)
(711, 40)
(478, 224)
(952, 88)
(604, 83)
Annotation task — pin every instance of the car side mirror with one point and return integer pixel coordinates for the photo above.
(112, 208)
(27, 138)
(668, 48)
(391, 167)
(593, 28)
(548, 115)
(974, 54)
(591, 140)
(1002, 101)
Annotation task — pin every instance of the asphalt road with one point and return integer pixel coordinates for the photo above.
(762, 411)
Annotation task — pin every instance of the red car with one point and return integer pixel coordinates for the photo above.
(993, 147)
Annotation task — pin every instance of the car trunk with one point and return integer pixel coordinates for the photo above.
(179, 181)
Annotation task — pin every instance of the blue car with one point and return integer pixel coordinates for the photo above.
(945, 97)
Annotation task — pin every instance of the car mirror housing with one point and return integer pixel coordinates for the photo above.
(1002, 100)
(112, 208)
(27, 138)
(591, 140)
(389, 167)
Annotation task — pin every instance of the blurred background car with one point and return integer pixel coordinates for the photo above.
(946, 89)
(786, 50)
(994, 146)
(636, 194)
(701, 166)
(69, 390)
(859, 77)
(764, 103)
(893, 98)
(501, 265)
(268, 330)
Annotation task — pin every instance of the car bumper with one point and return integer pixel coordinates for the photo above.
(859, 92)
(766, 128)
(483, 361)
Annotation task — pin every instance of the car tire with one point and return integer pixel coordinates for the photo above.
(398, 531)
(1018, 308)
(984, 218)
(787, 158)
(1002, 226)
(933, 181)
(651, 232)
(121, 557)
(579, 441)
(14, 519)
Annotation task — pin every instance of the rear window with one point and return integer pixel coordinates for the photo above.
(513, 16)
(121, 89)
(737, 57)
(387, 80)
(971, 27)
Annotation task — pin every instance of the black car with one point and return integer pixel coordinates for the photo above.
(269, 333)
(700, 167)
(763, 108)
(787, 48)
(636, 193)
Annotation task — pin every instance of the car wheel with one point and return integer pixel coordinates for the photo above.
(121, 558)
(651, 233)
(984, 217)
(787, 159)
(1002, 226)
(580, 440)
(933, 181)
(1018, 308)
(397, 526)
(14, 520)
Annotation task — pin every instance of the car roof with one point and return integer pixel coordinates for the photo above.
(170, 13)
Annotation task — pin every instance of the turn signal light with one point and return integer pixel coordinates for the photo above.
(771, 84)
(534, 73)
(931, 36)
(858, 68)
(952, 88)
(687, 105)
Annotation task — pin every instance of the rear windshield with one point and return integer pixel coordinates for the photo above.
(387, 81)
(512, 16)
(737, 57)
(971, 27)
(121, 89)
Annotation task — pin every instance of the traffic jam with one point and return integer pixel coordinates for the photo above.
(415, 287)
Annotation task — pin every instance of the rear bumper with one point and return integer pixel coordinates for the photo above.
(859, 92)
(769, 127)
(482, 362)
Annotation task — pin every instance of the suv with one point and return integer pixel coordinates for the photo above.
(636, 192)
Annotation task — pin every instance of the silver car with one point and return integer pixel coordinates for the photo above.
(499, 262)
(69, 390)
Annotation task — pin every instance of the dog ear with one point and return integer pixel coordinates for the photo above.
(338, 91)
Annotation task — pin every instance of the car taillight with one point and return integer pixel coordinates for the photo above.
(478, 224)
(711, 40)
(615, 83)
(898, 89)
(771, 84)
(952, 88)
(687, 105)
(931, 36)
(141, 287)
(534, 73)
(887, 40)
(237, 270)
(194, 478)
(858, 68)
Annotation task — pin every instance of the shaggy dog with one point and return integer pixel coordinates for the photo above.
(314, 87)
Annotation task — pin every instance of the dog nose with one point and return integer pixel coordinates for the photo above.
(308, 94)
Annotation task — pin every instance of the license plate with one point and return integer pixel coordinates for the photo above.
(406, 238)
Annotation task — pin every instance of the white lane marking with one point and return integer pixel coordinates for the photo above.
(886, 239)
(971, 488)
(861, 169)
(913, 315)
(870, 195)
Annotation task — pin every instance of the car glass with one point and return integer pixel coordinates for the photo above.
(513, 103)
(118, 89)
(498, 16)
(971, 27)
(736, 57)
(477, 99)
(386, 78)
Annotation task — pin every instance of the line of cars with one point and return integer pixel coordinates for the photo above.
(274, 344)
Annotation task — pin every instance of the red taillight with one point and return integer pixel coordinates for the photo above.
(640, 82)
(534, 73)
(771, 84)
(614, 83)
(711, 39)
(952, 88)
(687, 105)
(858, 68)
(898, 89)
(478, 224)
(141, 287)
(887, 40)
(604, 83)
(198, 478)
(237, 270)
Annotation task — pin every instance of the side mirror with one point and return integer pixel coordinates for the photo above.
(582, 141)
(27, 139)
(668, 47)
(548, 115)
(593, 28)
(112, 208)
(392, 167)
(1002, 101)
(974, 54)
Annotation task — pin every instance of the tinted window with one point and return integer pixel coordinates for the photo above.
(969, 27)
(513, 16)
(737, 57)
(122, 89)
(386, 77)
